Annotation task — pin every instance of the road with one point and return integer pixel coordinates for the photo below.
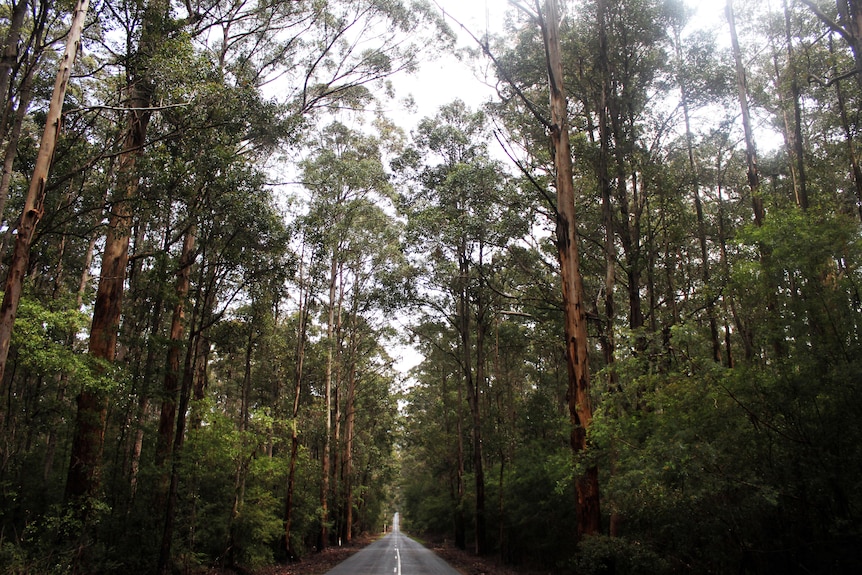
(393, 555)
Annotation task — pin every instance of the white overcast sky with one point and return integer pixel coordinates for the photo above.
(441, 81)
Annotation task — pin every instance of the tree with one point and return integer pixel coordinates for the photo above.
(35, 199)
(577, 345)
(346, 178)
(472, 208)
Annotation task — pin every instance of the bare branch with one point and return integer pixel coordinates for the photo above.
(502, 71)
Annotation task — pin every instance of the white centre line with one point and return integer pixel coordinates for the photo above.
(398, 557)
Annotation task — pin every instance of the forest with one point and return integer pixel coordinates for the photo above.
(631, 281)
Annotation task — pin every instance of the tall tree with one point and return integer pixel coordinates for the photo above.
(83, 477)
(345, 176)
(848, 26)
(35, 198)
(577, 345)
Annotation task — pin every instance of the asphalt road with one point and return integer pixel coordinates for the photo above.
(395, 554)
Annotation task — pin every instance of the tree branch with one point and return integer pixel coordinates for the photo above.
(499, 67)
(829, 22)
(812, 79)
(551, 203)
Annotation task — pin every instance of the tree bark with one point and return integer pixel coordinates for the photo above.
(171, 382)
(577, 350)
(299, 360)
(35, 198)
(750, 150)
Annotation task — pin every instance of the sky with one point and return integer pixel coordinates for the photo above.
(441, 81)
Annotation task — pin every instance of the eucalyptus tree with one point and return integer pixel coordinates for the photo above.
(466, 200)
(525, 436)
(373, 280)
(348, 190)
(35, 197)
(83, 479)
(244, 252)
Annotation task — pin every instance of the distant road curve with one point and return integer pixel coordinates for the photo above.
(393, 555)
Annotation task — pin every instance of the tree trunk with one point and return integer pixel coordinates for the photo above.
(796, 95)
(474, 398)
(607, 338)
(848, 140)
(750, 151)
(577, 350)
(850, 12)
(777, 343)
(107, 310)
(337, 469)
(698, 207)
(350, 425)
(10, 50)
(35, 199)
(192, 354)
(460, 520)
(327, 401)
(245, 401)
(299, 360)
(25, 94)
(745, 333)
(171, 382)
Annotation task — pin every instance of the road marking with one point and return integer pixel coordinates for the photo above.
(398, 557)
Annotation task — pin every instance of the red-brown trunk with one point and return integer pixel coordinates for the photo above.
(577, 351)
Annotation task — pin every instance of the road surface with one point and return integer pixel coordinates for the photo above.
(395, 554)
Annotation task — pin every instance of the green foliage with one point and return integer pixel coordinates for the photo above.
(540, 530)
(719, 468)
(603, 555)
(41, 339)
(259, 524)
(725, 359)
(48, 544)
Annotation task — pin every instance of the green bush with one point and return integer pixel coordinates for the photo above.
(602, 555)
